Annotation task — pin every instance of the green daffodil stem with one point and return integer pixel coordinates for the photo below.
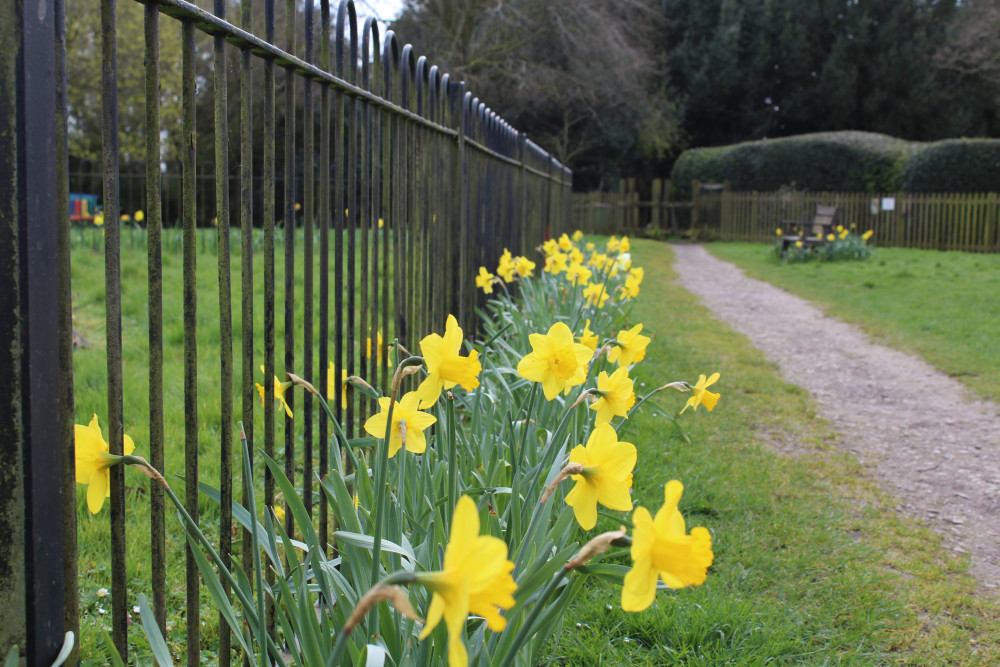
(381, 471)
(193, 529)
(528, 408)
(528, 628)
(452, 459)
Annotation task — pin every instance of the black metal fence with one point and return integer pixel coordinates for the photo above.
(387, 139)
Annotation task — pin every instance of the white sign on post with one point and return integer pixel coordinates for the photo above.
(874, 206)
(888, 203)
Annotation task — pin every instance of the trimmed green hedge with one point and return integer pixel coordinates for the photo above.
(831, 161)
(843, 162)
(955, 165)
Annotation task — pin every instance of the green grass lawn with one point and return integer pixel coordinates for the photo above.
(940, 305)
(812, 564)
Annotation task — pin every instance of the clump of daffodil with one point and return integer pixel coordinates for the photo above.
(484, 280)
(630, 290)
(93, 460)
(556, 360)
(588, 337)
(702, 396)
(279, 393)
(605, 477)
(331, 385)
(661, 548)
(476, 578)
(616, 395)
(577, 236)
(408, 424)
(613, 244)
(445, 367)
(565, 243)
(624, 245)
(598, 260)
(867, 235)
(629, 348)
(595, 295)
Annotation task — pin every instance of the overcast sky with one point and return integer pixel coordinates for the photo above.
(385, 10)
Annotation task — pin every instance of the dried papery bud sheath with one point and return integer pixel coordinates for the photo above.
(568, 471)
(585, 395)
(394, 594)
(299, 382)
(597, 545)
(679, 386)
(359, 382)
(148, 470)
(408, 366)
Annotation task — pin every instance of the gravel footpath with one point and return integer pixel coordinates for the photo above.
(923, 434)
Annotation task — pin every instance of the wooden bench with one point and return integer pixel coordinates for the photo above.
(811, 233)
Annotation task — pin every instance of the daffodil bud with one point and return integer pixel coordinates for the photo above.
(597, 545)
(394, 594)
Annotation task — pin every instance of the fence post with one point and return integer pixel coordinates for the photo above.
(31, 574)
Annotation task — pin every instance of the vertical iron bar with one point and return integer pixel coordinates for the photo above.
(338, 218)
(189, 185)
(29, 295)
(225, 320)
(246, 266)
(71, 619)
(289, 252)
(112, 280)
(324, 264)
(352, 166)
(154, 260)
(309, 123)
(268, 167)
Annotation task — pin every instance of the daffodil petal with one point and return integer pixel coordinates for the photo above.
(98, 489)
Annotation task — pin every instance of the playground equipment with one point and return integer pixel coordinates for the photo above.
(83, 207)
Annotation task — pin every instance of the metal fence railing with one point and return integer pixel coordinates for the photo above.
(406, 182)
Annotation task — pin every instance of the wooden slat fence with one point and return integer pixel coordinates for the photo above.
(631, 210)
(385, 137)
(968, 222)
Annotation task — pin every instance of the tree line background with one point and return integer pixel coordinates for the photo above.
(619, 89)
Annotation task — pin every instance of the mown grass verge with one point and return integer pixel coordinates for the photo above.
(940, 305)
(812, 563)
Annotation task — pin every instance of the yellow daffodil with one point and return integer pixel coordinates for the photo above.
(445, 367)
(279, 513)
(378, 348)
(331, 385)
(550, 247)
(595, 294)
(842, 234)
(624, 245)
(577, 236)
(126, 217)
(484, 280)
(523, 266)
(139, 216)
(556, 263)
(408, 424)
(279, 393)
(215, 221)
(556, 360)
(798, 244)
(93, 459)
(476, 578)
(575, 256)
(505, 269)
(778, 231)
(565, 244)
(616, 398)
(840, 228)
(867, 235)
(622, 263)
(598, 260)
(381, 223)
(578, 274)
(589, 247)
(588, 337)
(613, 244)
(702, 396)
(606, 477)
(99, 220)
(830, 237)
(661, 548)
(298, 207)
(637, 273)
(630, 290)
(629, 348)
